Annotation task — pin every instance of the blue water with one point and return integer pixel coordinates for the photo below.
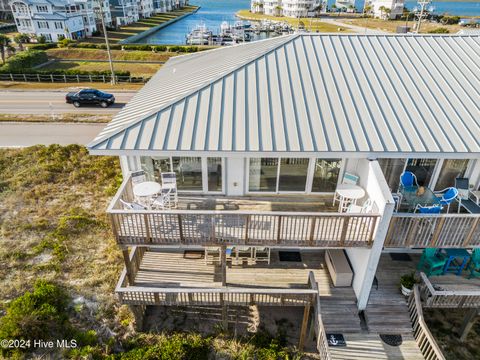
(213, 12)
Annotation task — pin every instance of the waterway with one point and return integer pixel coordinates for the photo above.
(213, 12)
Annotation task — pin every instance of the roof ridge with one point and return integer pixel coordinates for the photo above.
(100, 139)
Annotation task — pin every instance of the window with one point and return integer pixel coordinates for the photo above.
(58, 25)
(189, 172)
(42, 24)
(325, 175)
(263, 174)
(293, 174)
(48, 37)
(214, 171)
(423, 169)
(42, 8)
(451, 169)
(154, 166)
(392, 170)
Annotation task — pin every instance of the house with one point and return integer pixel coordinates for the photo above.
(53, 19)
(261, 136)
(390, 9)
(5, 10)
(288, 8)
(345, 5)
(145, 9)
(124, 12)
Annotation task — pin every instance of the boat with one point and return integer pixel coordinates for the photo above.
(199, 36)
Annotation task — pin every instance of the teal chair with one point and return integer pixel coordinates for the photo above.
(474, 264)
(432, 262)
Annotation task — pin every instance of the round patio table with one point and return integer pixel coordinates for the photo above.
(147, 188)
(349, 194)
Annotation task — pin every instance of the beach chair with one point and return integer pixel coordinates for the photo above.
(474, 264)
(432, 262)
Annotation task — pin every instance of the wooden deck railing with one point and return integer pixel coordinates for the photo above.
(322, 343)
(447, 298)
(425, 341)
(234, 227)
(433, 230)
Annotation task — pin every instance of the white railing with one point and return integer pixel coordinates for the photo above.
(322, 343)
(447, 298)
(433, 230)
(233, 227)
(425, 340)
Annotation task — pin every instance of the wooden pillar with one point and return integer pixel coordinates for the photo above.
(128, 266)
(223, 263)
(138, 312)
(303, 330)
(468, 322)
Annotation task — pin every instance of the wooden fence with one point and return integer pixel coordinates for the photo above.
(425, 341)
(433, 230)
(447, 298)
(234, 227)
(322, 343)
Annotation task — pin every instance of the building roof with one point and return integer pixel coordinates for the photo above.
(318, 94)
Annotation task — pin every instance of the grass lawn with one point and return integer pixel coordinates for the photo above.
(66, 117)
(99, 54)
(136, 69)
(391, 25)
(314, 25)
(143, 24)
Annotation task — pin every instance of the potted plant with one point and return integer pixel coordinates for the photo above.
(407, 282)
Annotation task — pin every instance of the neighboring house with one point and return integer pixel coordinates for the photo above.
(145, 9)
(107, 16)
(5, 10)
(387, 9)
(124, 12)
(260, 137)
(88, 16)
(345, 5)
(289, 8)
(50, 18)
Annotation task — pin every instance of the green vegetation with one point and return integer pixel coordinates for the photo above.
(24, 60)
(391, 25)
(440, 30)
(64, 117)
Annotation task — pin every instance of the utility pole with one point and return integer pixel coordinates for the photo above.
(107, 43)
(421, 14)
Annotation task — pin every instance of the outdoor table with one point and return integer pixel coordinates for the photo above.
(146, 190)
(349, 194)
(428, 198)
(452, 254)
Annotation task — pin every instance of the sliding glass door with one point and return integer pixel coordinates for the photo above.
(423, 170)
(392, 170)
(451, 169)
(263, 174)
(325, 175)
(293, 174)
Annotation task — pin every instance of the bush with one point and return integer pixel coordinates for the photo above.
(42, 46)
(449, 20)
(160, 48)
(138, 47)
(439, 30)
(41, 39)
(64, 42)
(24, 61)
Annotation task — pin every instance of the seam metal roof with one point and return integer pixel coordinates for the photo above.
(317, 94)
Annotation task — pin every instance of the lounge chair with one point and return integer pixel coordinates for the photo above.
(432, 262)
(261, 254)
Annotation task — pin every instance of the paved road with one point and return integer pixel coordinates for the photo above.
(28, 134)
(48, 102)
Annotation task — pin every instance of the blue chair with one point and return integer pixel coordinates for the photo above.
(432, 262)
(435, 209)
(408, 179)
(474, 264)
(448, 195)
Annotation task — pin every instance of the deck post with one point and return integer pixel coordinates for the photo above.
(128, 266)
(303, 330)
(223, 263)
(468, 323)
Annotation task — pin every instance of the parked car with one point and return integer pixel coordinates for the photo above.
(90, 97)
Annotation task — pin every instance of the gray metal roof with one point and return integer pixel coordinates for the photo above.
(310, 93)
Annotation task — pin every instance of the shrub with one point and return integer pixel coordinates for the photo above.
(439, 30)
(160, 48)
(138, 47)
(24, 61)
(449, 20)
(42, 46)
(64, 42)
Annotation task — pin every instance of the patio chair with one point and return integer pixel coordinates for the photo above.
(432, 262)
(397, 198)
(435, 209)
(169, 185)
(212, 255)
(243, 253)
(408, 179)
(162, 202)
(132, 205)
(261, 254)
(138, 177)
(448, 195)
(347, 179)
(474, 264)
(466, 199)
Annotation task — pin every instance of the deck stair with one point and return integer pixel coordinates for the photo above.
(340, 316)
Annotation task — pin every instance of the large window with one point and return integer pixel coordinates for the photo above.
(189, 172)
(214, 168)
(154, 166)
(325, 175)
(293, 174)
(423, 169)
(392, 170)
(451, 169)
(263, 174)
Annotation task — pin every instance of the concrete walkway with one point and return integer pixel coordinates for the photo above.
(354, 28)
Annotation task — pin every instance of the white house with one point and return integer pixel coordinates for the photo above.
(345, 5)
(124, 12)
(51, 18)
(262, 138)
(289, 8)
(145, 8)
(389, 9)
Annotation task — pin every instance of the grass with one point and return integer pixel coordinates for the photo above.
(144, 24)
(13, 85)
(135, 69)
(391, 25)
(98, 54)
(314, 25)
(66, 118)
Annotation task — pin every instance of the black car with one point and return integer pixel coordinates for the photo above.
(90, 97)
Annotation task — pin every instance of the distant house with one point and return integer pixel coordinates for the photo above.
(5, 10)
(124, 12)
(145, 9)
(53, 19)
(387, 9)
(288, 8)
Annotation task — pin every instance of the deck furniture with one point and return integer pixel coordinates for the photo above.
(467, 199)
(145, 191)
(161, 202)
(169, 186)
(261, 254)
(447, 196)
(432, 262)
(243, 254)
(408, 179)
(457, 259)
(474, 264)
(435, 209)
(348, 194)
(132, 205)
(138, 177)
(428, 198)
(348, 179)
(397, 198)
(338, 267)
(212, 255)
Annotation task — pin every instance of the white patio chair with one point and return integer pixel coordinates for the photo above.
(347, 179)
(138, 177)
(397, 197)
(169, 186)
(212, 255)
(261, 254)
(161, 202)
(132, 205)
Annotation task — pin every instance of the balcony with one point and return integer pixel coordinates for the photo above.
(280, 221)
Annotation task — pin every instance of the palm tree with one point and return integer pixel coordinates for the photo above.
(382, 10)
(5, 46)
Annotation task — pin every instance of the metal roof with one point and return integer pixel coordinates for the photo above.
(320, 94)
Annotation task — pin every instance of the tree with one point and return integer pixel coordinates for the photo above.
(382, 10)
(5, 46)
